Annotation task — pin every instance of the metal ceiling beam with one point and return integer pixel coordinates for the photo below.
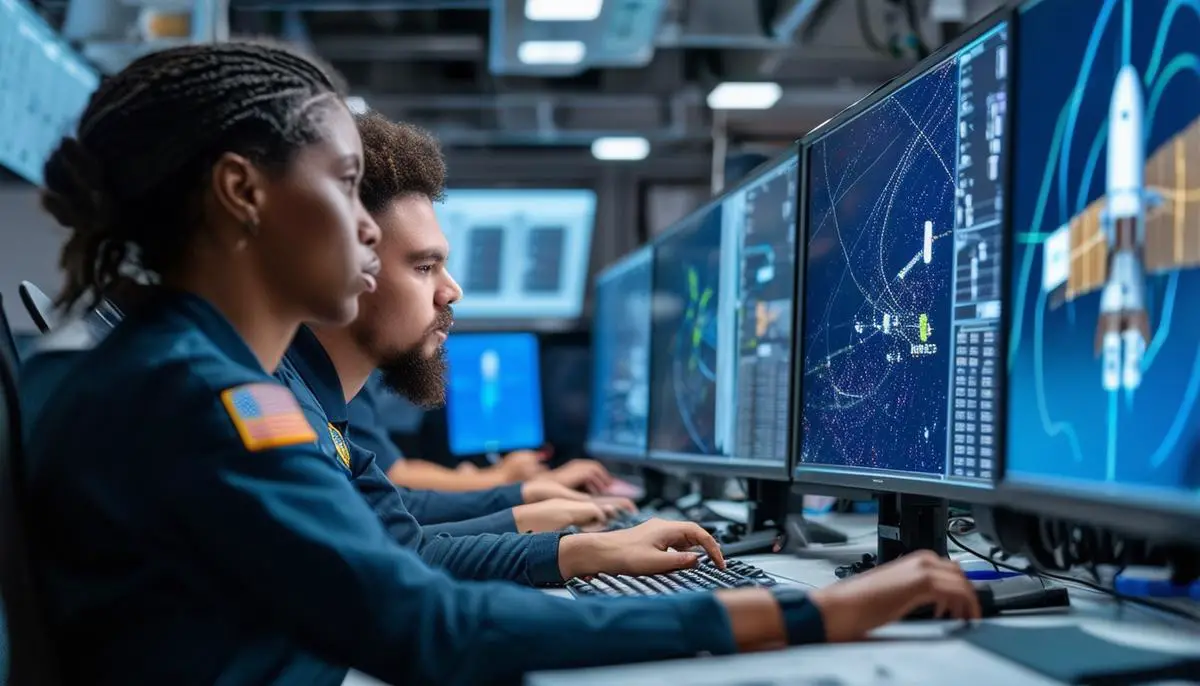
(358, 5)
(823, 97)
(398, 48)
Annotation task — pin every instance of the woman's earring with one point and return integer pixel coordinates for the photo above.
(251, 226)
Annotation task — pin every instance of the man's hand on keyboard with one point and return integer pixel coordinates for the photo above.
(521, 465)
(540, 488)
(617, 503)
(556, 514)
(655, 547)
(863, 602)
(583, 475)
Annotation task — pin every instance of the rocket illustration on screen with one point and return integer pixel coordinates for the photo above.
(489, 381)
(1123, 330)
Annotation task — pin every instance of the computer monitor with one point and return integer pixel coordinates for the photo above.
(45, 84)
(566, 391)
(520, 254)
(621, 358)
(494, 393)
(900, 368)
(1104, 338)
(724, 280)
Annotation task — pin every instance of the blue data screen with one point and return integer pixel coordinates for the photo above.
(519, 253)
(686, 319)
(621, 357)
(44, 87)
(1104, 345)
(903, 277)
(494, 395)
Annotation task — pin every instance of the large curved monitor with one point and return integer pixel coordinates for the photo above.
(900, 370)
(1104, 345)
(721, 335)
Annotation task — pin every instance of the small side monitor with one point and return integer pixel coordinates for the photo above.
(494, 394)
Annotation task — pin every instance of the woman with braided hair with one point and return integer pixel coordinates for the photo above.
(190, 528)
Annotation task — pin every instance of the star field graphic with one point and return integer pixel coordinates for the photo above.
(880, 270)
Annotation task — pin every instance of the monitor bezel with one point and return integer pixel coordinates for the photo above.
(1079, 501)
(611, 452)
(901, 482)
(535, 324)
(541, 405)
(719, 465)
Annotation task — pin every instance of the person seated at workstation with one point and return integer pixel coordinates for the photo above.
(519, 465)
(533, 506)
(399, 331)
(190, 528)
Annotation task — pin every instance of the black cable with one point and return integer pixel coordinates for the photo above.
(1120, 597)
(914, 25)
(868, 34)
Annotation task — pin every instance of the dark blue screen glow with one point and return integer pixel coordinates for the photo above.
(903, 277)
(621, 357)
(1104, 345)
(684, 336)
(494, 397)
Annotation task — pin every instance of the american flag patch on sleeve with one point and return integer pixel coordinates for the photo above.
(267, 416)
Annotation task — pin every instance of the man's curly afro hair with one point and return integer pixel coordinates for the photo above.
(401, 159)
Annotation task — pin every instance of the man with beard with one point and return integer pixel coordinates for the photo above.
(401, 334)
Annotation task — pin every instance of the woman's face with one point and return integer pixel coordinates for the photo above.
(317, 238)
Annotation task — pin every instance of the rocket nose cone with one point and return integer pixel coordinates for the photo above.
(1128, 88)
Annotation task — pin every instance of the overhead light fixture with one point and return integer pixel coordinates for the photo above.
(622, 148)
(356, 104)
(744, 95)
(562, 10)
(551, 51)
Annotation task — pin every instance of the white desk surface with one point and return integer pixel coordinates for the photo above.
(910, 653)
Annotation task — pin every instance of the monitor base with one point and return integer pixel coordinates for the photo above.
(805, 532)
(908, 523)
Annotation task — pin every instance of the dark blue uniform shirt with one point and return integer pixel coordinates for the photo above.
(367, 429)
(311, 376)
(453, 513)
(191, 531)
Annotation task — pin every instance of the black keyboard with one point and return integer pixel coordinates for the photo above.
(703, 577)
(626, 520)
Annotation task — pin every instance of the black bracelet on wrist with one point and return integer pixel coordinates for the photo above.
(801, 619)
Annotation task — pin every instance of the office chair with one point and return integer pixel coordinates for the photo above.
(27, 641)
(39, 305)
(8, 343)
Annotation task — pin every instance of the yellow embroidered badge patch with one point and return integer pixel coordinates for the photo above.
(343, 450)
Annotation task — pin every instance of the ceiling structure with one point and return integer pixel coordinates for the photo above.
(455, 66)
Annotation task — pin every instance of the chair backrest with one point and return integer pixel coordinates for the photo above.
(38, 304)
(8, 343)
(30, 656)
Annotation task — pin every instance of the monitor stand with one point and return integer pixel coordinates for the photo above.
(911, 522)
(771, 527)
(907, 523)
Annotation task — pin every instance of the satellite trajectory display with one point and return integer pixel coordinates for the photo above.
(903, 276)
(684, 334)
(1104, 346)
